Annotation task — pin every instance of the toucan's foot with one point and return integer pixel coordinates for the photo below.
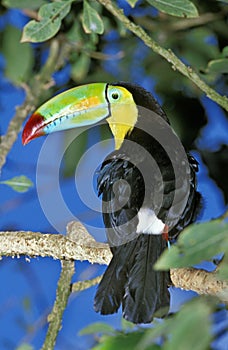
(165, 233)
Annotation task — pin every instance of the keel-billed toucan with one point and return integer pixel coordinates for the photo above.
(148, 187)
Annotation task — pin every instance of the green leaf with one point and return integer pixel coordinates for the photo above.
(22, 4)
(91, 20)
(11, 48)
(97, 327)
(179, 8)
(74, 34)
(222, 270)
(18, 183)
(160, 329)
(218, 66)
(186, 333)
(50, 16)
(225, 51)
(182, 331)
(132, 2)
(127, 341)
(196, 243)
(127, 325)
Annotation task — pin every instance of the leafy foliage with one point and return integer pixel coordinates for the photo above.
(98, 327)
(50, 17)
(180, 8)
(18, 183)
(91, 21)
(22, 4)
(196, 243)
(176, 330)
(179, 331)
(94, 46)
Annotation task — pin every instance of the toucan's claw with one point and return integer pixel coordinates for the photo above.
(165, 233)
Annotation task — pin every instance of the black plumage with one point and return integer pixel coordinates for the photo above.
(142, 174)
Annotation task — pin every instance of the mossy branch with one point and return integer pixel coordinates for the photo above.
(176, 63)
(62, 294)
(84, 247)
(34, 244)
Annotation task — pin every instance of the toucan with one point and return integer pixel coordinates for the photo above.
(148, 186)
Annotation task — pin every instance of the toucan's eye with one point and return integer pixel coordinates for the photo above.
(115, 95)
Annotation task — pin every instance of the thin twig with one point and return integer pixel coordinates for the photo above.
(15, 124)
(203, 19)
(177, 64)
(83, 285)
(173, 26)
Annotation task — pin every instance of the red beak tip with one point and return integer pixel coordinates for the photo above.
(33, 128)
(25, 137)
(25, 142)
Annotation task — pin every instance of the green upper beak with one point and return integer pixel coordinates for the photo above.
(80, 106)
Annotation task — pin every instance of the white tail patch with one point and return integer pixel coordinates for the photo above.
(149, 222)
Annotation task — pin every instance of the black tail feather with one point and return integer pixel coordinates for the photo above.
(146, 290)
(131, 280)
(110, 291)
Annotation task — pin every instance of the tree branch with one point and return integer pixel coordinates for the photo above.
(62, 295)
(83, 247)
(200, 281)
(33, 93)
(57, 246)
(83, 285)
(177, 64)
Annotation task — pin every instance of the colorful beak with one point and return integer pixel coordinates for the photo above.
(80, 106)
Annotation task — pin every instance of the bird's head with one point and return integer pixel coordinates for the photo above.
(85, 105)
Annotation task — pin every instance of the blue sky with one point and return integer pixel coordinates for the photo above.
(28, 291)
